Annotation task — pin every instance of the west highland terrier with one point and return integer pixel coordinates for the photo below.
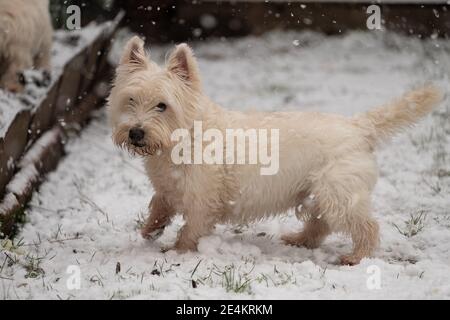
(25, 40)
(326, 170)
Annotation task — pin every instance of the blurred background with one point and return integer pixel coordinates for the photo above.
(180, 20)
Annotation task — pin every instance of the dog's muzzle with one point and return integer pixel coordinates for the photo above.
(136, 136)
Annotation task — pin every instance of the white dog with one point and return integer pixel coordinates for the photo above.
(25, 40)
(326, 162)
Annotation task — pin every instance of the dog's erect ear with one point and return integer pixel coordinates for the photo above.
(134, 55)
(184, 65)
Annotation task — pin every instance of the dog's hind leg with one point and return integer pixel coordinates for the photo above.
(313, 234)
(342, 202)
(364, 231)
(315, 229)
(343, 196)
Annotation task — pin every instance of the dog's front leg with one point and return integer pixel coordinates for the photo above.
(199, 223)
(160, 214)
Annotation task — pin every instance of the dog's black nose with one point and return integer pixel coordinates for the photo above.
(136, 134)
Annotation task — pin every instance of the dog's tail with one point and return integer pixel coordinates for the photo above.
(383, 122)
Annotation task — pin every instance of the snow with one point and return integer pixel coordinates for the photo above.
(34, 155)
(28, 174)
(8, 203)
(23, 180)
(88, 212)
(68, 44)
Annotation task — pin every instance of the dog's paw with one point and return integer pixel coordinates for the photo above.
(299, 240)
(181, 247)
(165, 249)
(151, 234)
(349, 260)
(290, 239)
(179, 250)
(185, 246)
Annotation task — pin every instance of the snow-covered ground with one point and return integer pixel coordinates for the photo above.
(88, 212)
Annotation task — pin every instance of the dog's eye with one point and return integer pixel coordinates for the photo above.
(161, 107)
(131, 100)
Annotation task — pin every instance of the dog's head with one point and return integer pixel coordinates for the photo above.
(148, 102)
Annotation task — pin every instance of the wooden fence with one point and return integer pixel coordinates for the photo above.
(32, 136)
